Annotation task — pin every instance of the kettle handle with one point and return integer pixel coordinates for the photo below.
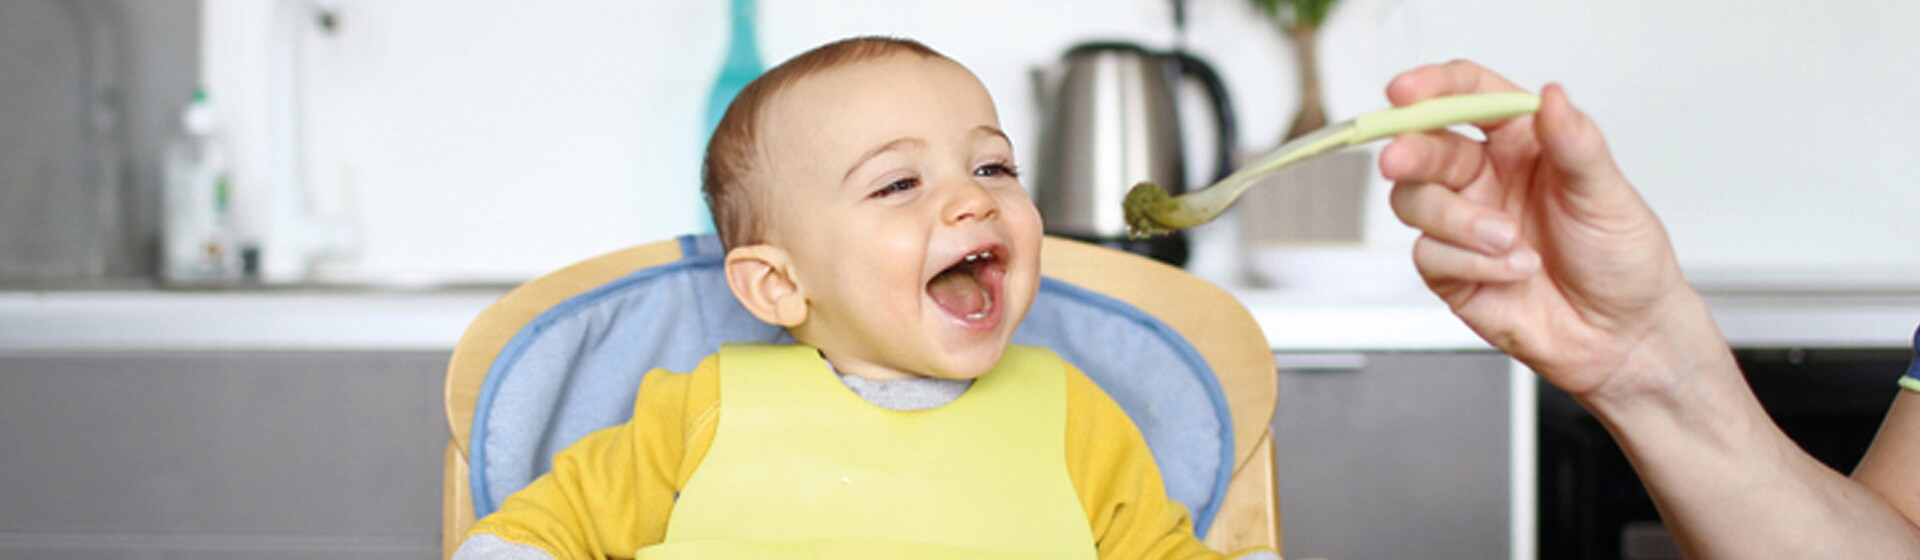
(1226, 128)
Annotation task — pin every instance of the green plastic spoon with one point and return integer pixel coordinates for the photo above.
(1151, 210)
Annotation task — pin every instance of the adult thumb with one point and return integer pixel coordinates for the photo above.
(1573, 142)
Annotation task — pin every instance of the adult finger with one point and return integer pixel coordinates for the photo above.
(1447, 216)
(1459, 77)
(1441, 264)
(1573, 142)
(1439, 156)
(1452, 78)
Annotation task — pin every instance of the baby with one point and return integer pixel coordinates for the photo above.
(871, 206)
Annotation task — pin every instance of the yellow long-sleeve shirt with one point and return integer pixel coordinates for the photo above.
(612, 492)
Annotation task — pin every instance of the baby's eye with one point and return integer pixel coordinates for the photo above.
(996, 169)
(895, 187)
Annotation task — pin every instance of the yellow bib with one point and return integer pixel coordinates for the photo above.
(801, 467)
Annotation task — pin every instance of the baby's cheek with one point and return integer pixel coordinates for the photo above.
(1024, 216)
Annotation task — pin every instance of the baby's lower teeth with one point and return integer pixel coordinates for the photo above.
(977, 315)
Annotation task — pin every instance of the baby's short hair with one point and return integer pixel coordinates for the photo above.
(731, 152)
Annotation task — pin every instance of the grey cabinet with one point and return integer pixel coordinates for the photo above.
(89, 92)
(221, 455)
(1394, 455)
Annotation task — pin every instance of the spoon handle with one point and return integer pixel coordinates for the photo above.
(1441, 112)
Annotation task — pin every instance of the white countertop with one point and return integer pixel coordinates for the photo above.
(1423, 322)
(236, 320)
(434, 320)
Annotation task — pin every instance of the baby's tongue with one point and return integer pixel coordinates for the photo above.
(957, 292)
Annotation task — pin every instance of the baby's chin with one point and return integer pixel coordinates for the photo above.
(969, 365)
(975, 357)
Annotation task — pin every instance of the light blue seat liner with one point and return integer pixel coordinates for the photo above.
(575, 369)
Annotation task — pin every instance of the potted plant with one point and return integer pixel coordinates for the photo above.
(1300, 20)
(1310, 236)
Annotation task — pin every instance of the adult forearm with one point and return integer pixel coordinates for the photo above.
(1727, 481)
(1757, 495)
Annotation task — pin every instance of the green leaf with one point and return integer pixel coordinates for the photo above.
(1289, 13)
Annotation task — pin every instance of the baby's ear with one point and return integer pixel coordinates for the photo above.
(761, 277)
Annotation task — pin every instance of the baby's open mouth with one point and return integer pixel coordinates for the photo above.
(967, 288)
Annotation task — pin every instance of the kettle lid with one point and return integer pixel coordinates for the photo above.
(1103, 46)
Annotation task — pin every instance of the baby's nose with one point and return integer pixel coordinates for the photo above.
(970, 201)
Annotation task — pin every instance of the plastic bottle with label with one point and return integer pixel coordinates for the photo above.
(198, 242)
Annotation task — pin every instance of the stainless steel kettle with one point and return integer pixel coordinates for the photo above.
(1110, 119)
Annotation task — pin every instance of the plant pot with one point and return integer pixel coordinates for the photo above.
(1320, 201)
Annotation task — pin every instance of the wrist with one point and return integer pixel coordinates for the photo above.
(1678, 367)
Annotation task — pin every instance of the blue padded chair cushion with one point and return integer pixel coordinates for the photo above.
(575, 369)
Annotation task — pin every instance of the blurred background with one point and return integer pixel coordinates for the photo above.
(425, 142)
(213, 211)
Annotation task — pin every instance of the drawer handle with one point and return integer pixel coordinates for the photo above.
(1321, 362)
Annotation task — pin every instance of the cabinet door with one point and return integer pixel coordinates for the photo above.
(221, 455)
(58, 207)
(1393, 455)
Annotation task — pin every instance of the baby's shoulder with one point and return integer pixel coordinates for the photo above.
(681, 395)
(1086, 400)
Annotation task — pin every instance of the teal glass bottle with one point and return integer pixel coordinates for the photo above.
(742, 66)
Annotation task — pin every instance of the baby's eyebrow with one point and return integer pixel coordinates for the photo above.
(883, 148)
(993, 131)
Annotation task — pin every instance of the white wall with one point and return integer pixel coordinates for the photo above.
(493, 140)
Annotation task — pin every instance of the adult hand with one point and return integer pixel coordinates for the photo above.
(1537, 241)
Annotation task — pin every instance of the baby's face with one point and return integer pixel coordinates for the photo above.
(894, 194)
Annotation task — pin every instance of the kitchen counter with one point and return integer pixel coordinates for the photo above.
(1863, 319)
(238, 320)
(375, 319)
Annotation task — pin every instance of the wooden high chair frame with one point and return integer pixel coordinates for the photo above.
(1215, 323)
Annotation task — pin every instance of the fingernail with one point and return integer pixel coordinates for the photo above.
(1523, 261)
(1496, 233)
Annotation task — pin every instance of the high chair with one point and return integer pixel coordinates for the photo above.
(562, 356)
